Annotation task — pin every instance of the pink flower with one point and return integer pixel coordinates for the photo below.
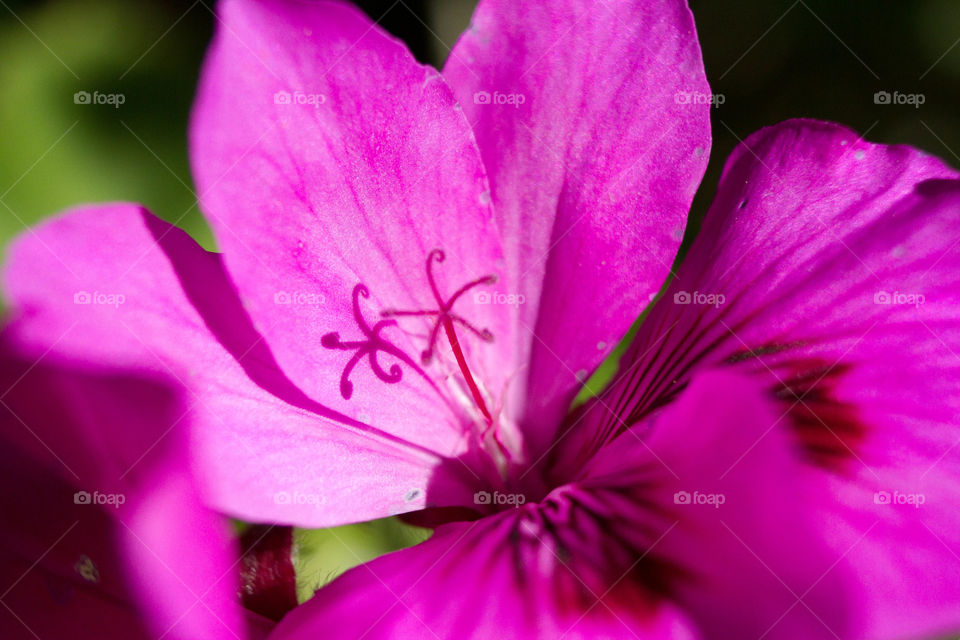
(104, 532)
(420, 270)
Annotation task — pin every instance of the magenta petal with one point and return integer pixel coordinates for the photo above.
(740, 551)
(331, 163)
(496, 577)
(811, 230)
(594, 128)
(839, 275)
(183, 563)
(620, 552)
(106, 516)
(80, 588)
(614, 554)
(115, 285)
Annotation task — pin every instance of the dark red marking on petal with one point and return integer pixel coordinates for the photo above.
(830, 430)
(268, 580)
(600, 553)
(766, 350)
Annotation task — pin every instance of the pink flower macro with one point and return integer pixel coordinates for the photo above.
(421, 269)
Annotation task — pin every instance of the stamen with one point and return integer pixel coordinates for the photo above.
(444, 317)
(462, 363)
(371, 346)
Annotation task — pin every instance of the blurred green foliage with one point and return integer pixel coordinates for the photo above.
(772, 60)
(323, 554)
(55, 153)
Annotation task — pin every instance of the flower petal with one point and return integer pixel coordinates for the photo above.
(839, 275)
(419, 593)
(594, 128)
(742, 556)
(327, 160)
(55, 598)
(114, 285)
(615, 553)
(105, 561)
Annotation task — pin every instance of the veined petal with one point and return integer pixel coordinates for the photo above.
(330, 162)
(593, 122)
(515, 581)
(744, 557)
(619, 552)
(114, 285)
(827, 267)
